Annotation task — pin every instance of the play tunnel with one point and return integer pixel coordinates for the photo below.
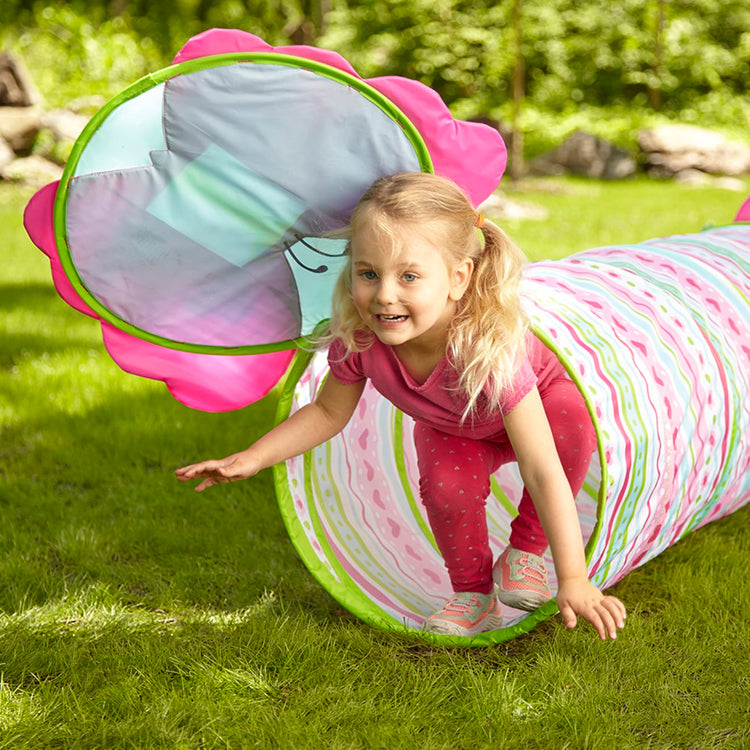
(657, 338)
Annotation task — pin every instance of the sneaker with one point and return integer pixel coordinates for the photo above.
(522, 579)
(466, 613)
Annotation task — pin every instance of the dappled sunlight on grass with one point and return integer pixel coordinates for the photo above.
(96, 607)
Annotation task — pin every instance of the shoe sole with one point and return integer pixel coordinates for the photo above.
(524, 599)
(491, 622)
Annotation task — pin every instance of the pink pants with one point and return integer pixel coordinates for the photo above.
(455, 483)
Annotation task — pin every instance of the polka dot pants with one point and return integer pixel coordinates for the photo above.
(455, 483)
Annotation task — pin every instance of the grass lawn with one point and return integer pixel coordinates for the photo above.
(137, 614)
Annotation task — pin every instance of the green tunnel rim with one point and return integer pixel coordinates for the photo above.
(346, 591)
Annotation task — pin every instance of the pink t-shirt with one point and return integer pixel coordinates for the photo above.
(436, 401)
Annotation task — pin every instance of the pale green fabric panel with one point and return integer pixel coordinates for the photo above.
(127, 137)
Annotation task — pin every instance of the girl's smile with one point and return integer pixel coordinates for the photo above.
(392, 319)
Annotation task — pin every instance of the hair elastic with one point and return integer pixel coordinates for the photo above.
(479, 223)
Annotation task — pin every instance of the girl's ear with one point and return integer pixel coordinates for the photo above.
(460, 279)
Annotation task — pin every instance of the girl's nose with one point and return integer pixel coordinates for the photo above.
(386, 292)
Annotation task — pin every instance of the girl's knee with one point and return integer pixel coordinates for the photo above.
(452, 479)
(451, 469)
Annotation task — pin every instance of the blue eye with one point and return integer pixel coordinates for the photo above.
(369, 275)
(409, 277)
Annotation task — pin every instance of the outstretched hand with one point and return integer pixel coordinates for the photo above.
(230, 469)
(580, 597)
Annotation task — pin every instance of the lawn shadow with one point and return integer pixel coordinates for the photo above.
(46, 324)
(90, 499)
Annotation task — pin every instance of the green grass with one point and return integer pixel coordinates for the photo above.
(589, 213)
(136, 614)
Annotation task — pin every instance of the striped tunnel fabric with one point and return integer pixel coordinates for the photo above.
(657, 338)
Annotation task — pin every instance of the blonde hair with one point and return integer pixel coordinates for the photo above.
(486, 338)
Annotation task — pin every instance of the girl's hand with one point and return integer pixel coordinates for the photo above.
(580, 597)
(230, 469)
(311, 425)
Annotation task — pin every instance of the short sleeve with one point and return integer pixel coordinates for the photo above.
(345, 366)
(524, 380)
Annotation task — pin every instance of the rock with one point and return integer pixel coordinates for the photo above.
(6, 154)
(16, 87)
(696, 178)
(730, 183)
(32, 170)
(87, 105)
(499, 207)
(541, 166)
(671, 149)
(19, 126)
(693, 177)
(34, 145)
(65, 125)
(588, 155)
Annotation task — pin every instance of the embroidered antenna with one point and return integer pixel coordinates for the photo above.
(320, 268)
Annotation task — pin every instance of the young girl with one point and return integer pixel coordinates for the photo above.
(428, 309)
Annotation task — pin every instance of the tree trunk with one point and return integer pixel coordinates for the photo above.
(117, 7)
(654, 90)
(312, 24)
(519, 92)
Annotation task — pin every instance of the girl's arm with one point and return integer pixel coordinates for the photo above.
(312, 425)
(543, 475)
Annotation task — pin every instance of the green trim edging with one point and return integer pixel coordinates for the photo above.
(398, 429)
(499, 494)
(345, 591)
(550, 344)
(155, 79)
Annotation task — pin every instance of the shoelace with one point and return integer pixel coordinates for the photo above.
(531, 570)
(460, 606)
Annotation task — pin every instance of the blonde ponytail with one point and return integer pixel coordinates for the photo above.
(487, 336)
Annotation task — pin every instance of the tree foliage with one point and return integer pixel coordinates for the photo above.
(575, 51)
(686, 57)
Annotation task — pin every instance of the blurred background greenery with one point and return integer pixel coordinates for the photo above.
(545, 66)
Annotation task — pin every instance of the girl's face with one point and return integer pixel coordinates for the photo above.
(404, 291)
